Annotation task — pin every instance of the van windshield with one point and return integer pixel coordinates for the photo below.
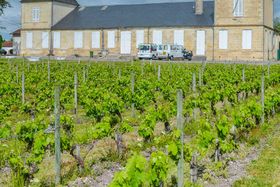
(144, 47)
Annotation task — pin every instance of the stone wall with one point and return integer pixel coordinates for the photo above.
(67, 41)
(234, 50)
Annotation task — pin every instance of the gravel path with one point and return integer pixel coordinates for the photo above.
(238, 169)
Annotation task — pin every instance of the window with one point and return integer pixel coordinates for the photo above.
(144, 47)
(78, 40)
(45, 40)
(179, 37)
(247, 39)
(238, 8)
(36, 14)
(139, 37)
(29, 40)
(111, 39)
(95, 39)
(157, 37)
(223, 39)
(56, 40)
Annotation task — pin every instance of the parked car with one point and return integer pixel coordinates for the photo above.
(188, 54)
(162, 51)
(3, 52)
(147, 51)
(170, 51)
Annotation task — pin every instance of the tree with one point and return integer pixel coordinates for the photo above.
(3, 4)
(277, 24)
(1, 41)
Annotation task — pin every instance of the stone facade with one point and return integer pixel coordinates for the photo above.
(258, 18)
(67, 41)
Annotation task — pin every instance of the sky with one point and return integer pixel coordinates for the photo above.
(11, 18)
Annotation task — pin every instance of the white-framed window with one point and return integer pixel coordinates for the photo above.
(179, 37)
(247, 39)
(78, 40)
(223, 39)
(95, 39)
(139, 37)
(111, 39)
(29, 40)
(238, 8)
(157, 37)
(56, 40)
(45, 40)
(35, 14)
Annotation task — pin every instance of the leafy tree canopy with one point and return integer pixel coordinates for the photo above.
(1, 41)
(3, 4)
(277, 24)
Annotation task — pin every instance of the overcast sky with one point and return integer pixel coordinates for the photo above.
(11, 17)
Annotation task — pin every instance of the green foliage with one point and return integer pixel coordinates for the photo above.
(159, 164)
(206, 135)
(223, 127)
(125, 127)
(27, 130)
(146, 128)
(139, 172)
(102, 129)
(1, 41)
(105, 102)
(277, 25)
(134, 174)
(5, 131)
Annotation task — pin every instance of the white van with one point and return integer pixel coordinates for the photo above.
(147, 51)
(170, 51)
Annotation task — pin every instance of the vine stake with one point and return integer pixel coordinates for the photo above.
(262, 97)
(180, 127)
(194, 83)
(57, 135)
(158, 72)
(49, 71)
(23, 88)
(76, 93)
(194, 168)
(132, 91)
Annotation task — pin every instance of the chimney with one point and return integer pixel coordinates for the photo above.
(198, 7)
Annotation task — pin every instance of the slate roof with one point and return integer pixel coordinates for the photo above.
(142, 15)
(71, 2)
(16, 33)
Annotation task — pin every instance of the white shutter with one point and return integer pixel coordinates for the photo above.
(179, 37)
(241, 7)
(139, 37)
(95, 39)
(29, 40)
(56, 40)
(111, 39)
(238, 7)
(78, 40)
(223, 39)
(45, 40)
(125, 42)
(157, 37)
(200, 43)
(247, 39)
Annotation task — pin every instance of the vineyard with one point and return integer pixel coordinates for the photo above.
(144, 123)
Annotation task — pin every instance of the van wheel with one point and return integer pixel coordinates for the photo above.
(171, 57)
